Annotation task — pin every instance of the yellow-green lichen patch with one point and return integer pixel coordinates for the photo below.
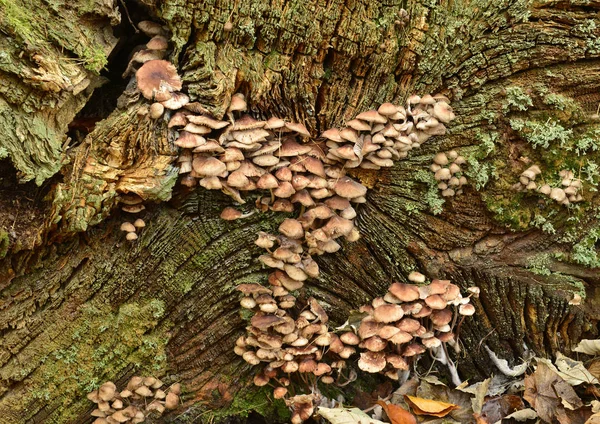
(99, 345)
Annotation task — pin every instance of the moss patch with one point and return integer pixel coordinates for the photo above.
(91, 350)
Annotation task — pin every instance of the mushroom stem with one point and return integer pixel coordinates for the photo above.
(451, 367)
(272, 196)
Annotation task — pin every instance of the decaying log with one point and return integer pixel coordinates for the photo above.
(79, 305)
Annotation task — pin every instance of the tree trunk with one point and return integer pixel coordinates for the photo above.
(79, 305)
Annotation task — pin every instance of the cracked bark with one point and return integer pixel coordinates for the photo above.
(79, 305)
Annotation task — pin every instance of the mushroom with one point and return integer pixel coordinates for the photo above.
(157, 76)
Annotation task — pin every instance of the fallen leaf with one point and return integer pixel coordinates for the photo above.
(432, 379)
(594, 419)
(522, 415)
(463, 414)
(346, 416)
(432, 407)
(549, 394)
(573, 372)
(594, 368)
(397, 414)
(408, 388)
(479, 390)
(589, 347)
(501, 384)
(499, 407)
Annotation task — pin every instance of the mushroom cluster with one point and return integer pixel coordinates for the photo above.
(376, 138)
(567, 193)
(285, 334)
(407, 321)
(289, 336)
(135, 403)
(131, 203)
(155, 49)
(448, 173)
(132, 228)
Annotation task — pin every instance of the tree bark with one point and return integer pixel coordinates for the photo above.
(80, 306)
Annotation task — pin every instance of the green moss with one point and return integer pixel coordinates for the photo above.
(432, 197)
(585, 252)
(247, 400)
(15, 17)
(542, 134)
(560, 102)
(4, 242)
(3, 153)
(94, 348)
(516, 99)
(538, 264)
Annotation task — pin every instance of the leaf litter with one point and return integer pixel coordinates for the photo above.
(563, 391)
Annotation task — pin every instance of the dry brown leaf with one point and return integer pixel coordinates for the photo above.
(397, 414)
(594, 419)
(589, 347)
(497, 408)
(432, 407)
(594, 368)
(550, 395)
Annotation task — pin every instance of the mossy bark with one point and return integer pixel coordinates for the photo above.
(79, 305)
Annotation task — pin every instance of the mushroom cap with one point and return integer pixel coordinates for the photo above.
(413, 349)
(238, 103)
(388, 313)
(440, 159)
(139, 223)
(230, 214)
(358, 125)
(282, 205)
(441, 317)
(396, 361)
(291, 228)
(467, 309)
(158, 42)
(322, 368)
(404, 292)
(372, 362)
(291, 148)
(274, 123)
(267, 181)
(337, 226)
(436, 302)
(408, 325)
(298, 128)
(332, 134)
(262, 321)
(431, 342)
(131, 236)
(350, 338)
(156, 75)
(438, 286)
(349, 134)
(338, 203)
(189, 140)
(128, 226)
(372, 116)
(208, 166)
(348, 188)
(452, 292)
(443, 112)
(400, 338)
(107, 391)
(416, 277)
(388, 331)
(375, 344)
(177, 101)
(387, 109)
(150, 28)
